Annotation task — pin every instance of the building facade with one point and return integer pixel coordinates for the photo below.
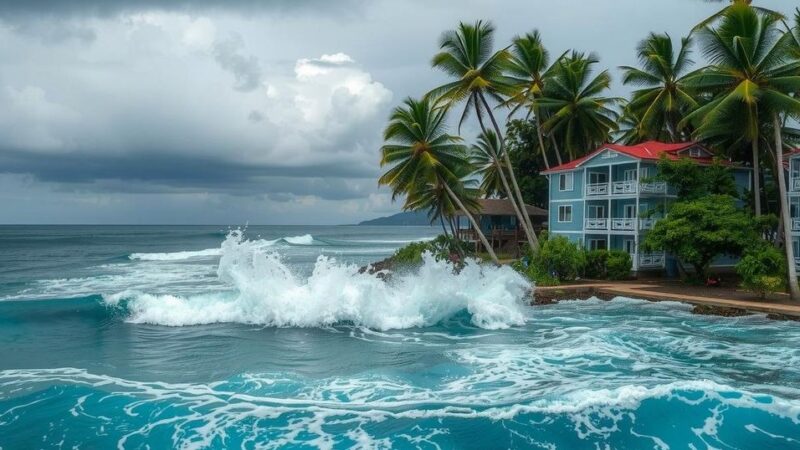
(793, 191)
(608, 199)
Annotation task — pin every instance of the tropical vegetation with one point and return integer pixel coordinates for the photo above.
(534, 110)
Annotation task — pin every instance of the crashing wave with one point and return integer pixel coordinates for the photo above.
(305, 239)
(266, 292)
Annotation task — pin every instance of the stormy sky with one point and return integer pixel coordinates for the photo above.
(228, 112)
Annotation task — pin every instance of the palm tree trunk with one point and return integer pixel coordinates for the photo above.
(555, 147)
(541, 139)
(441, 220)
(516, 195)
(475, 225)
(756, 178)
(794, 289)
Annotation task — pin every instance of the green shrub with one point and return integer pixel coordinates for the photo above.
(535, 274)
(762, 269)
(559, 258)
(596, 264)
(442, 248)
(618, 265)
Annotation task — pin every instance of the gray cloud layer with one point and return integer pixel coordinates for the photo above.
(202, 111)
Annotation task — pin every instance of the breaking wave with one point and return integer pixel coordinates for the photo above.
(261, 289)
(305, 239)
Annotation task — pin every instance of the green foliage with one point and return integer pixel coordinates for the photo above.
(521, 144)
(697, 231)
(762, 269)
(535, 274)
(596, 264)
(618, 265)
(693, 181)
(561, 258)
(442, 248)
(605, 264)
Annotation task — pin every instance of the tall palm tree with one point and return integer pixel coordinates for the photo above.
(527, 70)
(486, 165)
(721, 13)
(466, 54)
(751, 79)
(747, 58)
(421, 152)
(663, 99)
(577, 108)
(433, 198)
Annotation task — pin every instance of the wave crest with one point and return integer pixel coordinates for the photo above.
(305, 239)
(266, 292)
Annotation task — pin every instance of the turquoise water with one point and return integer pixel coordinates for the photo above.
(178, 337)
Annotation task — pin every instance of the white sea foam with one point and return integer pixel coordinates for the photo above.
(175, 256)
(265, 291)
(305, 239)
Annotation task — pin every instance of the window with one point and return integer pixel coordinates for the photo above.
(565, 182)
(629, 246)
(565, 213)
(598, 177)
(629, 175)
(630, 211)
(597, 244)
(695, 152)
(597, 212)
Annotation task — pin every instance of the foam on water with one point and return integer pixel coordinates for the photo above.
(265, 291)
(305, 239)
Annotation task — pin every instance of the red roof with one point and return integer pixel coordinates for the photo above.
(645, 150)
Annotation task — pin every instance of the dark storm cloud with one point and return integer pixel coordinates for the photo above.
(109, 7)
(157, 172)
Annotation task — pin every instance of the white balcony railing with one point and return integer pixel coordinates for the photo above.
(647, 224)
(795, 224)
(796, 184)
(596, 224)
(623, 224)
(648, 260)
(658, 187)
(597, 189)
(623, 187)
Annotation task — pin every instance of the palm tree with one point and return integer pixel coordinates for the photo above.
(751, 80)
(466, 54)
(527, 70)
(721, 13)
(663, 99)
(487, 167)
(578, 112)
(794, 35)
(421, 152)
(747, 68)
(432, 197)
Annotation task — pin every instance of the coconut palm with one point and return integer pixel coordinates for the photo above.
(748, 71)
(576, 106)
(663, 99)
(466, 54)
(721, 13)
(487, 167)
(794, 35)
(527, 70)
(421, 152)
(751, 79)
(433, 198)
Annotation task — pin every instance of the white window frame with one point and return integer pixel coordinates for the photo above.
(567, 209)
(695, 152)
(595, 209)
(592, 244)
(629, 207)
(629, 175)
(794, 208)
(626, 243)
(566, 181)
(602, 175)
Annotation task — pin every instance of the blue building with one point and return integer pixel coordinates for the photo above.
(600, 200)
(793, 191)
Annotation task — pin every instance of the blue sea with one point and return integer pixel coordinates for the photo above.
(194, 337)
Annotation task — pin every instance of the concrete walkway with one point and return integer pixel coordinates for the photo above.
(646, 292)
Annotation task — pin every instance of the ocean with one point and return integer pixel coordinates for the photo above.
(266, 337)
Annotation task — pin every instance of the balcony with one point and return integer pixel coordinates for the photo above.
(795, 186)
(623, 224)
(625, 188)
(651, 260)
(595, 224)
(647, 224)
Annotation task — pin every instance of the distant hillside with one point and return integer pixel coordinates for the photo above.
(403, 218)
